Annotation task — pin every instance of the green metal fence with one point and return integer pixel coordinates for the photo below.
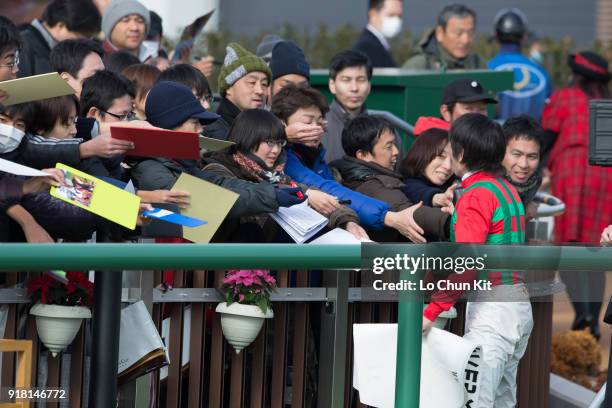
(114, 257)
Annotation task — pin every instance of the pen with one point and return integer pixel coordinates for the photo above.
(344, 202)
(299, 194)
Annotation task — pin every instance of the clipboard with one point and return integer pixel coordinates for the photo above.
(208, 202)
(150, 142)
(34, 88)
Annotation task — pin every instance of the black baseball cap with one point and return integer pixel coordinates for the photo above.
(466, 90)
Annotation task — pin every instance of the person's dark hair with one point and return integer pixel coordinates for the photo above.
(156, 28)
(362, 133)
(454, 11)
(68, 56)
(101, 89)
(523, 127)
(79, 16)
(292, 98)
(9, 36)
(376, 4)
(480, 140)
(349, 59)
(254, 126)
(143, 78)
(429, 145)
(593, 88)
(42, 115)
(120, 60)
(189, 76)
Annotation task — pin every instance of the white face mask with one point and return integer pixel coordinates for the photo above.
(391, 26)
(536, 56)
(10, 138)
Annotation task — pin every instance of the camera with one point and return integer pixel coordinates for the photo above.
(600, 132)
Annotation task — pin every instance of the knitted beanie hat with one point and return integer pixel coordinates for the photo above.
(238, 63)
(287, 58)
(118, 9)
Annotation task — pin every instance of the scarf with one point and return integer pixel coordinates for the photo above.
(528, 189)
(309, 155)
(258, 169)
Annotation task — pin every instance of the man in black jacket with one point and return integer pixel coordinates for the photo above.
(62, 20)
(384, 23)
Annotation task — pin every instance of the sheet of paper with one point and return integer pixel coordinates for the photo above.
(149, 142)
(173, 218)
(98, 197)
(300, 221)
(210, 144)
(208, 202)
(448, 364)
(19, 169)
(34, 88)
(337, 236)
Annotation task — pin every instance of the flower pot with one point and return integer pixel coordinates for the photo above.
(241, 323)
(58, 325)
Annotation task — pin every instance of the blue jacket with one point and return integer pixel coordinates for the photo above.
(371, 212)
(532, 85)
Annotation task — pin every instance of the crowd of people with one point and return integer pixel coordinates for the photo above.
(465, 178)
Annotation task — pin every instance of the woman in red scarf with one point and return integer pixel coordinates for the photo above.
(258, 155)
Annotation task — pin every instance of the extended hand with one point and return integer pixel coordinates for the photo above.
(427, 325)
(321, 202)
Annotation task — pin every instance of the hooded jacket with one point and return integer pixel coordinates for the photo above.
(432, 56)
(385, 185)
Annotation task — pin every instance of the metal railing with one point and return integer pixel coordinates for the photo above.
(396, 121)
(119, 257)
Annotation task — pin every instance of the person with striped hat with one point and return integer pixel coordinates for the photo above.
(244, 82)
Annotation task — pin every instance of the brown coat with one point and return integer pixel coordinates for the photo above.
(382, 184)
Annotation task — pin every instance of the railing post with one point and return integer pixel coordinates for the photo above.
(408, 368)
(105, 348)
(340, 339)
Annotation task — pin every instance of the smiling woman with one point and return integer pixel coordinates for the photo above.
(427, 167)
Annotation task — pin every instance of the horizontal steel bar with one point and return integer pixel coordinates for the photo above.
(19, 257)
(205, 295)
(14, 295)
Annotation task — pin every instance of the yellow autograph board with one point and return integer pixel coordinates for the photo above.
(98, 197)
(208, 202)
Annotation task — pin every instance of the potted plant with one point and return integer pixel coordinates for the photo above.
(62, 301)
(247, 304)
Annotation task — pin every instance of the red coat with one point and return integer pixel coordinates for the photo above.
(586, 190)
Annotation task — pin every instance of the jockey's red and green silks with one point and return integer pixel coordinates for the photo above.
(489, 211)
(510, 213)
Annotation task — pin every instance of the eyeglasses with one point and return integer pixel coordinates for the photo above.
(13, 64)
(276, 142)
(127, 116)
